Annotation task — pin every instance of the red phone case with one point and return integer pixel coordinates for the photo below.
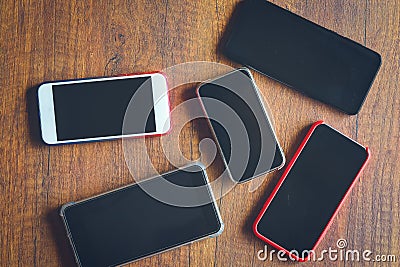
(280, 182)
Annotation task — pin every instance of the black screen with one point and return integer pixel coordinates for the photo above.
(128, 224)
(97, 109)
(312, 190)
(302, 55)
(238, 92)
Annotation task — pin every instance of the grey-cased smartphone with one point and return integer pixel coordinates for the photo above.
(127, 224)
(240, 124)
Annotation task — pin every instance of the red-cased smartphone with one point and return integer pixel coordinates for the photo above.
(310, 192)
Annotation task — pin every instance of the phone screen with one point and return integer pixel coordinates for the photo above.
(128, 224)
(241, 125)
(97, 108)
(301, 54)
(312, 190)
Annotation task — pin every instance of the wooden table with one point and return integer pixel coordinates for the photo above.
(53, 40)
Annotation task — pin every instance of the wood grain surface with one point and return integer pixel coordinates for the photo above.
(45, 40)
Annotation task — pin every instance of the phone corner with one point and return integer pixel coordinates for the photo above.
(166, 128)
(283, 162)
(200, 165)
(318, 123)
(220, 230)
(355, 111)
(41, 85)
(199, 86)
(301, 259)
(161, 73)
(379, 59)
(254, 228)
(47, 140)
(246, 69)
(41, 89)
(367, 157)
(64, 207)
(368, 151)
(314, 126)
(198, 91)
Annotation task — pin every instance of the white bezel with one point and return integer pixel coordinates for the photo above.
(47, 111)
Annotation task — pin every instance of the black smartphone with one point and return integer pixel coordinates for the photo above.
(301, 54)
(310, 192)
(241, 125)
(128, 224)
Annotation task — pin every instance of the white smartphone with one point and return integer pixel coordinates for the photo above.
(95, 109)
